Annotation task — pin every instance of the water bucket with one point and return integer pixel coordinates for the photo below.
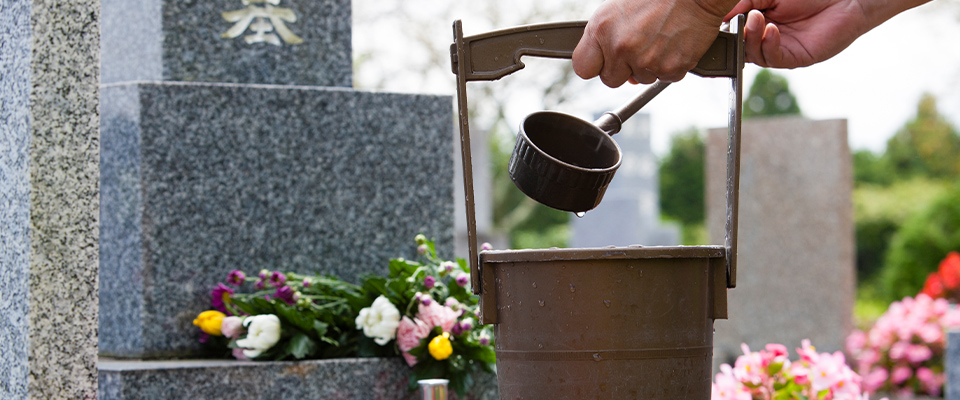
(604, 323)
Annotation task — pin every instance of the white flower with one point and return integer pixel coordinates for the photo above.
(263, 331)
(379, 321)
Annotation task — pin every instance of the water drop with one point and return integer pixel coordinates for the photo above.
(534, 284)
(541, 40)
(606, 303)
(540, 345)
(619, 280)
(541, 303)
(597, 357)
(572, 289)
(508, 294)
(580, 214)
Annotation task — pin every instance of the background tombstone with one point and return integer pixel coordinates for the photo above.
(795, 274)
(630, 211)
(49, 198)
(200, 178)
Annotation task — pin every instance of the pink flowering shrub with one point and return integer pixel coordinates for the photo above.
(903, 351)
(769, 374)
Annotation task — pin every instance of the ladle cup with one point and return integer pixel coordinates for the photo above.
(567, 163)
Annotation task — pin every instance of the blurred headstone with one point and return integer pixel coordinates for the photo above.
(49, 198)
(284, 42)
(952, 367)
(629, 213)
(795, 271)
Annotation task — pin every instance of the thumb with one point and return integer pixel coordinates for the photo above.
(587, 57)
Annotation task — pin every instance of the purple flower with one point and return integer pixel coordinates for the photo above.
(307, 282)
(422, 249)
(236, 277)
(277, 279)
(484, 340)
(457, 329)
(220, 296)
(426, 299)
(429, 281)
(260, 284)
(263, 274)
(447, 266)
(287, 294)
(486, 246)
(463, 279)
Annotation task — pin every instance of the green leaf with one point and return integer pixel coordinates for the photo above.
(320, 328)
(300, 346)
(293, 316)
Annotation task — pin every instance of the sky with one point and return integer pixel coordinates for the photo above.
(875, 83)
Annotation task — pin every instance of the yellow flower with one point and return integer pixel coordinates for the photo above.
(209, 322)
(440, 347)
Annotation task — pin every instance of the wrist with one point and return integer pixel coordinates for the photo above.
(716, 8)
(877, 11)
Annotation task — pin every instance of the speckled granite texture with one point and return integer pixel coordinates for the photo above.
(795, 272)
(49, 206)
(340, 379)
(200, 179)
(952, 365)
(154, 40)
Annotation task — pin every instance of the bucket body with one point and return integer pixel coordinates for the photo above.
(610, 323)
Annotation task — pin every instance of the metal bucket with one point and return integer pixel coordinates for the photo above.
(608, 323)
(604, 323)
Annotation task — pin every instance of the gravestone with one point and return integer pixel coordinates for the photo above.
(293, 42)
(223, 172)
(630, 211)
(49, 201)
(952, 367)
(795, 271)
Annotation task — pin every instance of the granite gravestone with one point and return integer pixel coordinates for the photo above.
(630, 211)
(288, 42)
(795, 272)
(952, 367)
(49, 199)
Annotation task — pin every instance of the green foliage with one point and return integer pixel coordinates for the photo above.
(531, 225)
(871, 168)
(923, 240)
(769, 95)
(682, 179)
(926, 146)
(880, 211)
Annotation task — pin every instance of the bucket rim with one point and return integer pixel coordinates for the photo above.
(595, 253)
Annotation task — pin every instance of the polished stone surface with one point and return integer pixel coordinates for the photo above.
(952, 366)
(201, 179)
(795, 273)
(341, 379)
(165, 40)
(49, 199)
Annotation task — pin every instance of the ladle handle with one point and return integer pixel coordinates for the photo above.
(612, 121)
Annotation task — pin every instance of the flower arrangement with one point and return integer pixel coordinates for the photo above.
(945, 281)
(903, 352)
(769, 374)
(422, 310)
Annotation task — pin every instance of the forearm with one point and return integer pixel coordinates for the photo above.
(878, 11)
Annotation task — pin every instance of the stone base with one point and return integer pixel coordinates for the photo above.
(200, 179)
(340, 379)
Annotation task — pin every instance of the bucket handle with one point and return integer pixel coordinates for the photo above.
(493, 55)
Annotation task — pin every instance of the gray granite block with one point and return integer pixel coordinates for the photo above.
(341, 379)
(49, 198)
(952, 367)
(201, 179)
(181, 40)
(795, 273)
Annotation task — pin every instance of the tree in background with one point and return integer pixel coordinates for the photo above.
(926, 146)
(682, 184)
(769, 95)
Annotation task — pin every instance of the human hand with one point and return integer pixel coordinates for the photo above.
(644, 40)
(799, 33)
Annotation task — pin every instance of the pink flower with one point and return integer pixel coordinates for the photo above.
(238, 354)
(899, 350)
(486, 246)
(900, 374)
(410, 332)
(918, 353)
(875, 379)
(930, 333)
(856, 341)
(930, 381)
(236, 277)
(434, 314)
(727, 387)
(277, 279)
(463, 279)
(232, 327)
(409, 358)
(429, 281)
(219, 296)
(827, 371)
